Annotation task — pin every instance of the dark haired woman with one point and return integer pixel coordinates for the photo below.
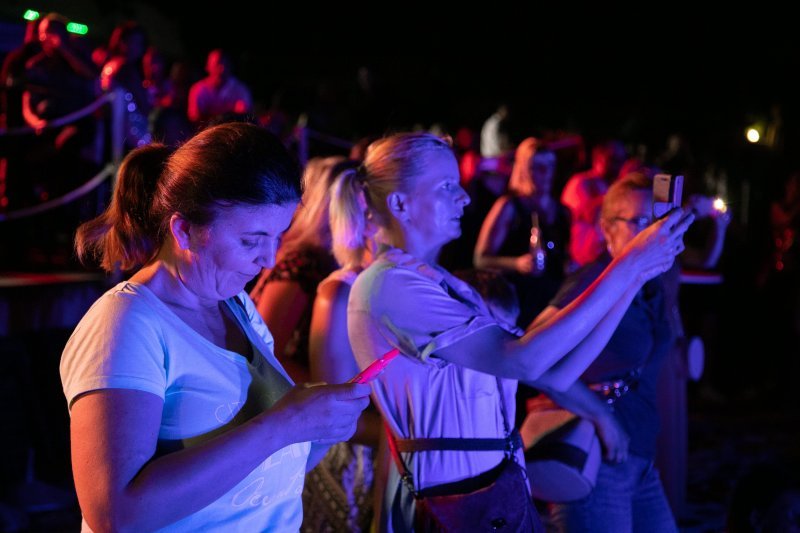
(182, 418)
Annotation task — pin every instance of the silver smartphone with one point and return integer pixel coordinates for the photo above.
(667, 193)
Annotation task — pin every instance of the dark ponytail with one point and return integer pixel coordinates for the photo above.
(225, 165)
(125, 236)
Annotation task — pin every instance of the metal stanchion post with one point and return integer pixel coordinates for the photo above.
(117, 129)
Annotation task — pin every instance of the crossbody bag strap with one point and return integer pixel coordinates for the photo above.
(405, 474)
(509, 444)
(458, 444)
(397, 446)
(504, 410)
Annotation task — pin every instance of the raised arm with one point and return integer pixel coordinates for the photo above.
(707, 256)
(82, 66)
(573, 364)
(578, 330)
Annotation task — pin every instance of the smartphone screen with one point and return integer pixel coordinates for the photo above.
(375, 368)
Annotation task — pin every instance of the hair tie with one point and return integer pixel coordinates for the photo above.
(361, 176)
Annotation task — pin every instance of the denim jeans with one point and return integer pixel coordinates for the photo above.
(628, 497)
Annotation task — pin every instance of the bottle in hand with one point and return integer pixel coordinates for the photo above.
(537, 250)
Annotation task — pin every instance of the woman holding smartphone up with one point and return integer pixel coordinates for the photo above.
(461, 386)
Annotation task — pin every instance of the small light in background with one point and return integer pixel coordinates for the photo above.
(719, 205)
(80, 29)
(753, 135)
(72, 27)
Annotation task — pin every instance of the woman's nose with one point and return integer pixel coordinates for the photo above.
(463, 197)
(266, 257)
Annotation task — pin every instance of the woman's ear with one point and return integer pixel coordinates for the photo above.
(179, 227)
(605, 229)
(398, 206)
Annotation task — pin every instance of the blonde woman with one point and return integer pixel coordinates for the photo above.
(339, 491)
(463, 382)
(284, 295)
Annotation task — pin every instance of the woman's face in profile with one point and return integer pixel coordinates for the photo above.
(225, 255)
(630, 215)
(437, 201)
(543, 168)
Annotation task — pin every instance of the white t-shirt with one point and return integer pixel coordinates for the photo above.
(130, 339)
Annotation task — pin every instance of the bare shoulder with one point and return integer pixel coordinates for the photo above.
(503, 205)
(334, 291)
(501, 211)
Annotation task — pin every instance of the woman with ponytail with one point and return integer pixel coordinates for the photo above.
(121, 237)
(181, 417)
(459, 383)
(339, 492)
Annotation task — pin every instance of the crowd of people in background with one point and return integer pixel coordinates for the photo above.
(379, 228)
(55, 73)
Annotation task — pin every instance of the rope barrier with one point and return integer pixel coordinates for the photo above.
(62, 121)
(117, 100)
(93, 183)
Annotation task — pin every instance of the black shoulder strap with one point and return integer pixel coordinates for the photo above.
(509, 444)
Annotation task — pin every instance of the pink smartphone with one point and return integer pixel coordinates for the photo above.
(376, 367)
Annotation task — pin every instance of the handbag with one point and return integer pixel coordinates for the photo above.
(502, 505)
(562, 450)
(497, 500)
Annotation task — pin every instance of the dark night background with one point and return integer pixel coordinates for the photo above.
(638, 73)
